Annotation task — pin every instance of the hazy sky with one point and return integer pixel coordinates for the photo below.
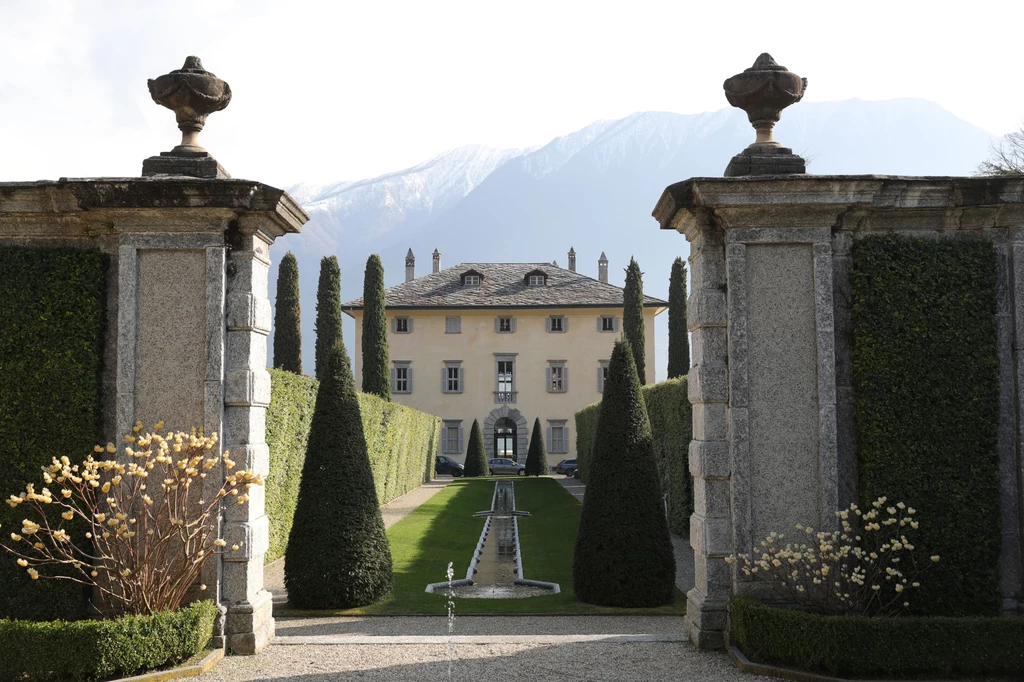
(343, 90)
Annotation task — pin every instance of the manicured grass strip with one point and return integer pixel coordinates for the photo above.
(443, 529)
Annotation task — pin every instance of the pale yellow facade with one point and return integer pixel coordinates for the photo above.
(580, 349)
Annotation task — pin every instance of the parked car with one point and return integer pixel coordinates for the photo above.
(505, 466)
(446, 465)
(567, 467)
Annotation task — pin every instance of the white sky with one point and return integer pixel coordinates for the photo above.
(343, 90)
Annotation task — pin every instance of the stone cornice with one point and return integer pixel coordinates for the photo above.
(846, 201)
(98, 206)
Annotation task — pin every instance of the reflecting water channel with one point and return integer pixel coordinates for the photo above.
(496, 569)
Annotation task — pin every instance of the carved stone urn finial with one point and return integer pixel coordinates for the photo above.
(193, 93)
(763, 91)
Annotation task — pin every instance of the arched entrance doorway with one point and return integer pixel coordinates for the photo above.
(505, 442)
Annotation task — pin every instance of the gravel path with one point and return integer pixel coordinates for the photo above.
(480, 625)
(579, 662)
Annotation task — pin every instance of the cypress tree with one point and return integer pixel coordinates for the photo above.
(537, 456)
(623, 555)
(678, 339)
(376, 377)
(287, 331)
(338, 556)
(328, 311)
(476, 456)
(633, 316)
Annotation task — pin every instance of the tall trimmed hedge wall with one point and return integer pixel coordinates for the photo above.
(401, 441)
(668, 408)
(926, 395)
(52, 326)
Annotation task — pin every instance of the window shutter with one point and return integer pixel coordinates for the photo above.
(460, 440)
(394, 380)
(394, 325)
(550, 449)
(600, 323)
(409, 325)
(547, 321)
(547, 379)
(565, 379)
(444, 379)
(497, 324)
(600, 379)
(462, 380)
(565, 323)
(408, 373)
(565, 439)
(513, 324)
(615, 324)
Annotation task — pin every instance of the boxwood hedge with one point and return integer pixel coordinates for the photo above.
(401, 441)
(98, 649)
(668, 409)
(855, 646)
(926, 396)
(52, 325)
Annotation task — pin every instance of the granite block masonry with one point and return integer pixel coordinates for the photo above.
(188, 318)
(770, 317)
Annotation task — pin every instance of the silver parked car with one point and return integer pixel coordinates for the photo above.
(505, 466)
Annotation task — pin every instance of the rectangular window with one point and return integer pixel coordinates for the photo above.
(453, 325)
(401, 380)
(452, 437)
(607, 323)
(536, 280)
(505, 324)
(557, 382)
(402, 325)
(558, 436)
(602, 375)
(453, 379)
(472, 280)
(557, 323)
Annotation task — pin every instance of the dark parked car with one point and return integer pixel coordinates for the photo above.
(567, 467)
(446, 465)
(505, 466)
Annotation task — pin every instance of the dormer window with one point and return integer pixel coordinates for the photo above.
(536, 278)
(472, 278)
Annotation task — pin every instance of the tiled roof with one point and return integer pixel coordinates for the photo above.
(504, 286)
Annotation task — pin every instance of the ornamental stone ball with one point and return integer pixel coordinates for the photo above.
(763, 91)
(193, 93)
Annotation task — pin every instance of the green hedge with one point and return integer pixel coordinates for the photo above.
(52, 325)
(856, 646)
(668, 408)
(98, 649)
(926, 396)
(401, 441)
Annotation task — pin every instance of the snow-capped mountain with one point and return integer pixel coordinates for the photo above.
(594, 190)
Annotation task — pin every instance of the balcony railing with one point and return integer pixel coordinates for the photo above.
(504, 396)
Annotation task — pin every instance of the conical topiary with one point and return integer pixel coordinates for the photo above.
(338, 556)
(633, 317)
(287, 316)
(328, 311)
(476, 457)
(678, 339)
(537, 456)
(623, 554)
(376, 376)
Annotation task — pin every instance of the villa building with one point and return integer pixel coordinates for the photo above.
(499, 342)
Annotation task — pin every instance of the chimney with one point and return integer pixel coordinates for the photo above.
(437, 261)
(602, 268)
(410, 266)
(572, 259)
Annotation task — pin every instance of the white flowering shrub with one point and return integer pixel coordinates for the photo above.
(148, 528)
(867, 568)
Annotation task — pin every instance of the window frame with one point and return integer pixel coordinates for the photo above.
(562, 445)
(453, 324)
(608, 324)
(400, 321)
(447, 378)
(562, 368)
(504, 396)
(563, 324)
(446, 440)
(602, 374)
(398, 366)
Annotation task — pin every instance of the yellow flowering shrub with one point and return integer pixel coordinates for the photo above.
(149, 527)
(867, 568)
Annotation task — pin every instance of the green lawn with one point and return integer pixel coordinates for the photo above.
(444, 529)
